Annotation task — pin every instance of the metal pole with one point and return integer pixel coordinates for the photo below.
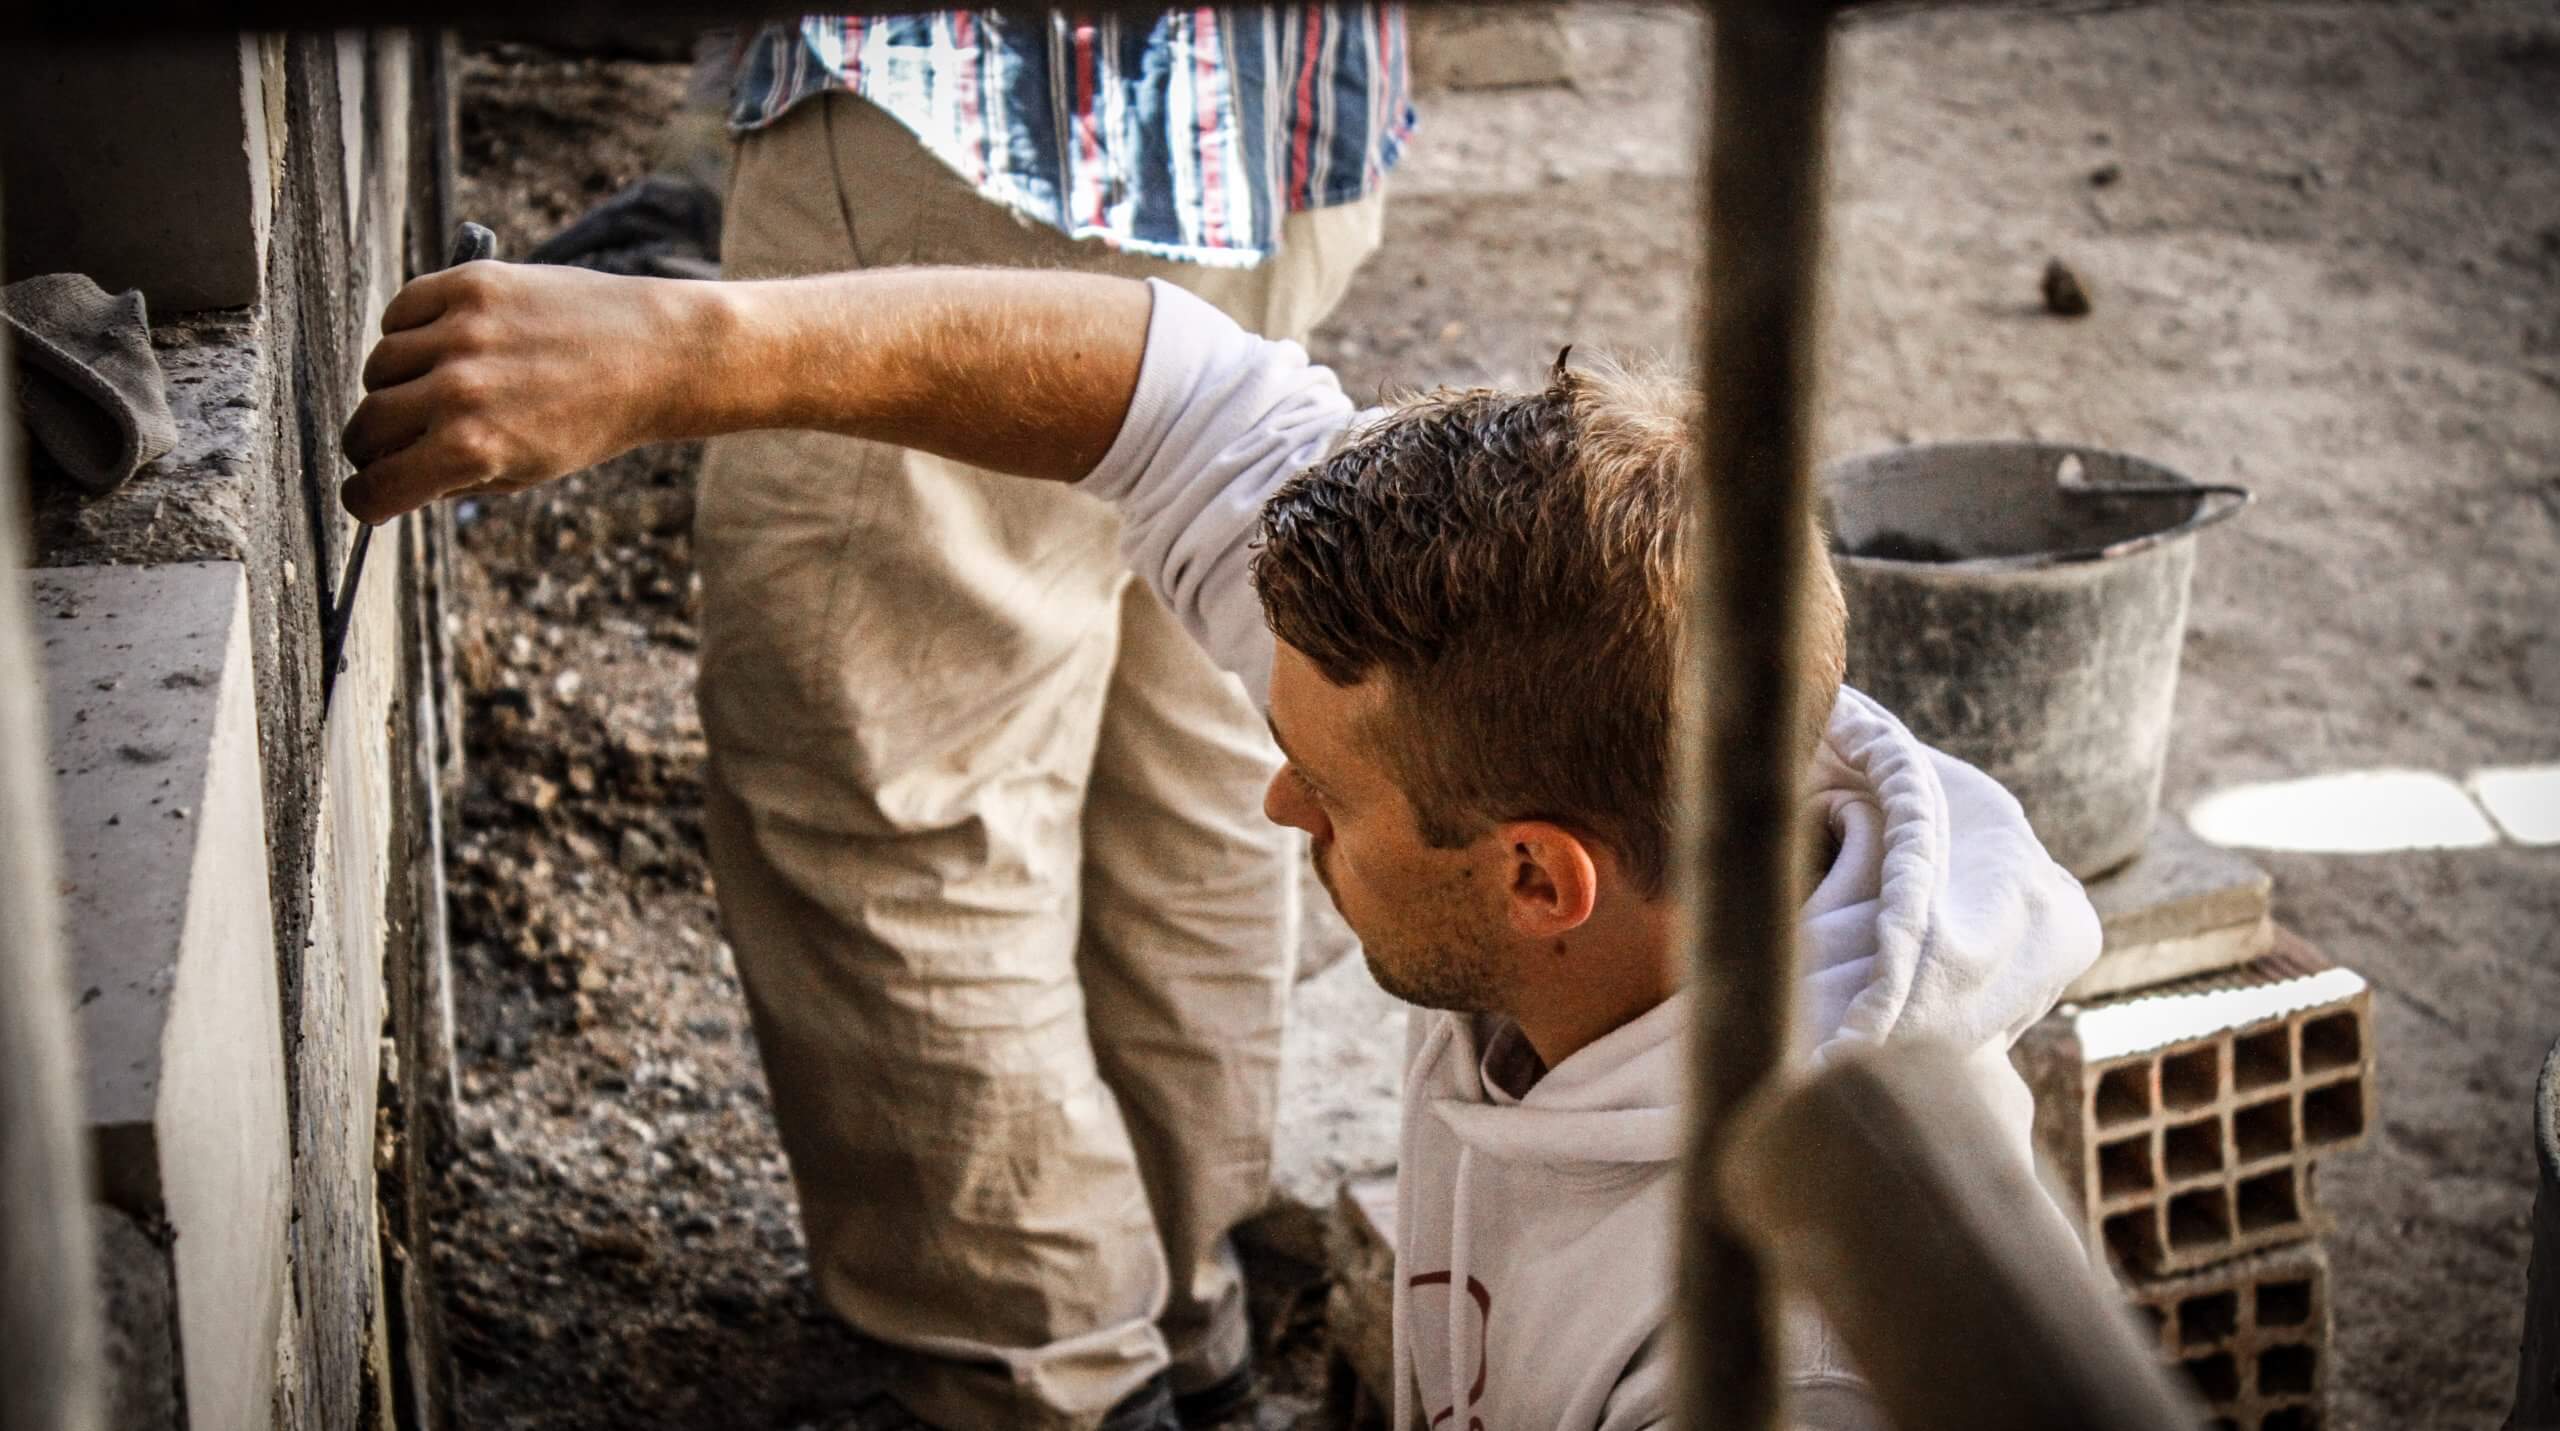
(1740, 768)
(49, 1331)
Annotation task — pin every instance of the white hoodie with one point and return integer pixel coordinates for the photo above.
(1539, 1208)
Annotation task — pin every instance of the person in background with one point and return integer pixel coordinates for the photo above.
(984, 822)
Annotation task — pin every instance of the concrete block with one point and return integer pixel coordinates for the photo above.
(1341, 1072)
(1488, 46)
(144, 164)
(2251, 1334)
(2182, 907)
(155, 750)
(2186, 1119)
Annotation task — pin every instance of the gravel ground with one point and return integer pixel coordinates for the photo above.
(2324, 261)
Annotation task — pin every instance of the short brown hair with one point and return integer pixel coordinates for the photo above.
(1515, 563)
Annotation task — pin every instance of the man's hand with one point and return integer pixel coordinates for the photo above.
(494, 377)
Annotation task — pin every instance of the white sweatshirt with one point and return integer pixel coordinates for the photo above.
(1539, 1208)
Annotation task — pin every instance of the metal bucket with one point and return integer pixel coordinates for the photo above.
(2020, 605)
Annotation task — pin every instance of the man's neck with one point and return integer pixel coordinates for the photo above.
(1610, 973)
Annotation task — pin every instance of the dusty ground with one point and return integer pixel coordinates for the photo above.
(2325, 261)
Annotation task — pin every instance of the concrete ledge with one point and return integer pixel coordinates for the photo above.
(194, 503)
(2183, 907)
(155, 749)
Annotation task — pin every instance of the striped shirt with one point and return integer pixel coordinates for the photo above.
(1187, 136)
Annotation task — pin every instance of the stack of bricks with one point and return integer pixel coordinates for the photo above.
(2187, 1119)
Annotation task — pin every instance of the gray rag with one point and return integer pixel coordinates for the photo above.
(89, 387)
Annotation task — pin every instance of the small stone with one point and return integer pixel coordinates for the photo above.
(731, 1303)
(2105, 174)
(2064, 295)
(638, 852)
(620, 1244)
(567, 684)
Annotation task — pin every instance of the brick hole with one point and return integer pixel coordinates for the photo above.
(2199, 1219)
(2268, 1200)
(2192, 1079)
(2286, 1370)
(2333, 1114)
(2124, 1095)
(2218, 1377)
(2290, 1418)
(2124, 1166)
(2261, 1060)
(2264, 1130)
(2208, 1320)
(2192, 1150)
(2331, 1043)
(2134, 1238)
(2284, 1304)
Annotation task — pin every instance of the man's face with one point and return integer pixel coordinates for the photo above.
(1428, 919)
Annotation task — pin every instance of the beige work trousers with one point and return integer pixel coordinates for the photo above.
(986, 831)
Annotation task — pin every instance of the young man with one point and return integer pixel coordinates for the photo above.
(1462, 619)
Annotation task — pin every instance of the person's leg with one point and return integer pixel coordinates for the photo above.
(1192, 897)
(903, 674)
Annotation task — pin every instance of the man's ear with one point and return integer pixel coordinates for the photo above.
(1551, 880)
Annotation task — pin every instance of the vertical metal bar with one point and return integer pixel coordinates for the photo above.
(49, 1332)
(1740, 765)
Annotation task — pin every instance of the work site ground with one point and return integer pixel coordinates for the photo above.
(2320, 245)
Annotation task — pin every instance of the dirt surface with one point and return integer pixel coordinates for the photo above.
(2321, 247)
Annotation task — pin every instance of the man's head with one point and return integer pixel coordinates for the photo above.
(1478, 601)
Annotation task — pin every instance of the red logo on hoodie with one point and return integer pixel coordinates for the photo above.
(1484, 1323)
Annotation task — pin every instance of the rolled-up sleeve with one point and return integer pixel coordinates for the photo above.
(1220, 418)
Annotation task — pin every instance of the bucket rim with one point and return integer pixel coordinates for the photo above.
(2169, 483)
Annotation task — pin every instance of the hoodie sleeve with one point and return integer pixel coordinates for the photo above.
(1220, 418)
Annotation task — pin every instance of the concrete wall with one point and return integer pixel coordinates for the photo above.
(344, 792)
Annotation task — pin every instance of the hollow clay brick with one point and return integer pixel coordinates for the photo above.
(2252, 1335)
(2186, 1119)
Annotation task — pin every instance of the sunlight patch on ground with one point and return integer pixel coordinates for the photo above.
(2351, 812)
(2523, 799)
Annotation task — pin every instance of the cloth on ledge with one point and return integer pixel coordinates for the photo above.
(90, 389)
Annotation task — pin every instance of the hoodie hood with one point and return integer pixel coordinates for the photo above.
(1941, 915)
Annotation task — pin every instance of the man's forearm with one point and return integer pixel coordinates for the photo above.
(493, 378)
(1028, 373)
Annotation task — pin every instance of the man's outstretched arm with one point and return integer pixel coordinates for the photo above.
(496, 377)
